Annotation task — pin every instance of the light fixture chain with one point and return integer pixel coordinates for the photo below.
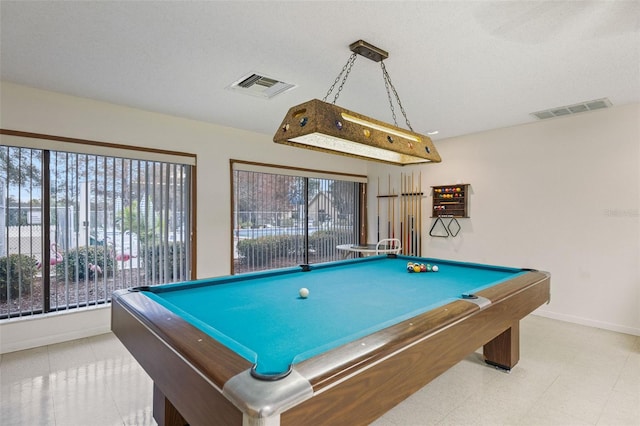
(347, 67)
(386, 86)
(387, 83)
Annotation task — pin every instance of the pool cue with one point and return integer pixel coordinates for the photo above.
(406, 215)
(415, 243)
(402, 212)
(412, 214)
(409, 217)
(417, 215)
(389, 209)
(417, 218)
(418, 200)
(393, 216)
(409, 221)
(401, 200)
(378, 209)
(420, 214)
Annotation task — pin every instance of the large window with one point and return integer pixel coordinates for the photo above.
(76, 225)
(285, 217)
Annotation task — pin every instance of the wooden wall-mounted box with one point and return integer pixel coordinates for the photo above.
(450, 200)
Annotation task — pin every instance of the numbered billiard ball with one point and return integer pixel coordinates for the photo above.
(416, 268)
(423, 267)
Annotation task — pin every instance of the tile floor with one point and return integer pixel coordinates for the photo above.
(567, 375)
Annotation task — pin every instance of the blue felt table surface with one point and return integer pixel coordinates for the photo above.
(263, 318)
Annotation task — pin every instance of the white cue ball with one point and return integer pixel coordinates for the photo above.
(434, 268)
(304, 292)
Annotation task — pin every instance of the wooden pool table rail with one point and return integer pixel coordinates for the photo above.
(162, 343)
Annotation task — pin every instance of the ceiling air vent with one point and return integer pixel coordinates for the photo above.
(260, 85)
(572, 109)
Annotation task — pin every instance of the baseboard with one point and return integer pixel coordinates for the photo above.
(29, 332)
(588, 322)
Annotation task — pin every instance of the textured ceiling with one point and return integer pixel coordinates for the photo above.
(459, 67)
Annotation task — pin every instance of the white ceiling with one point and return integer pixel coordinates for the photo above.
(458, 66)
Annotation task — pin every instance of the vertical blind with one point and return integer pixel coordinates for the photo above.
(284, 217)
(77, 225)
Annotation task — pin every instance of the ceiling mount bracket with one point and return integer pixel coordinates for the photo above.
(369, 51)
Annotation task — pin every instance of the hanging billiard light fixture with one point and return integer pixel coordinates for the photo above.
(327, 127)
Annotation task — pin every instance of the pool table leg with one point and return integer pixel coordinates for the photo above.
(164, 413)
(504, 350)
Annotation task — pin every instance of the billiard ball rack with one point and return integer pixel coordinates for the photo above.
(450, 201)
(448, 231)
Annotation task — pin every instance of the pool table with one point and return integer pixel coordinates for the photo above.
(249, 350)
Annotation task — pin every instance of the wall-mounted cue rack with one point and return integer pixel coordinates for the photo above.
(409, 213)
(391, 212)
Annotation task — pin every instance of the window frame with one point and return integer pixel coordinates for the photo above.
(253, 166)
(48, 143)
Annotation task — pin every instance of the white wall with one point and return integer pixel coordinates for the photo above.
(31, 110)
(561, 195)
